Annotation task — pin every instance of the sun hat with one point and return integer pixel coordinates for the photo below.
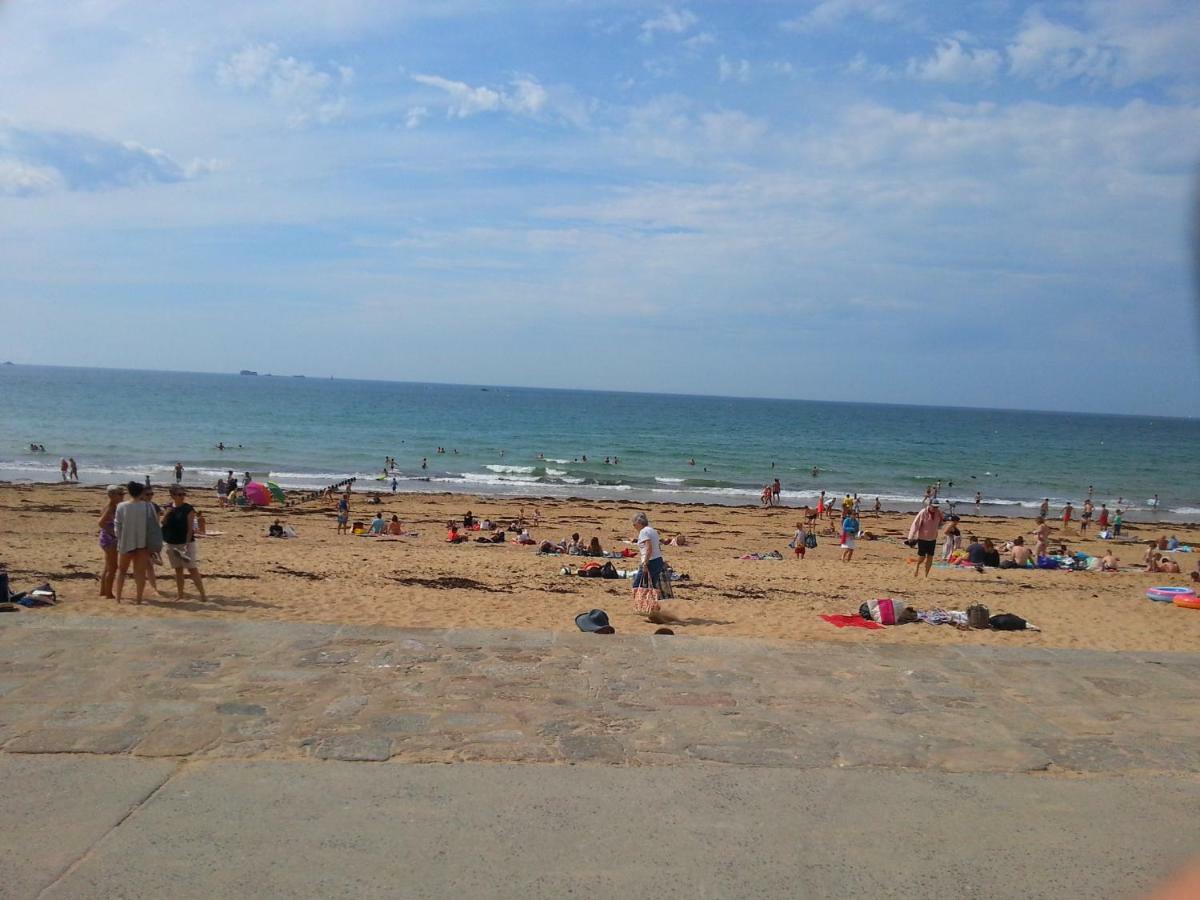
(595, 621)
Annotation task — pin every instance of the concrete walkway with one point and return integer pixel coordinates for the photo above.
(197, 759)
(185, 688)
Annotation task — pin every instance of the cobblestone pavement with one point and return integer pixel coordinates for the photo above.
(265, 690)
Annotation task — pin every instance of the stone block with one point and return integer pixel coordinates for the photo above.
(354, 747)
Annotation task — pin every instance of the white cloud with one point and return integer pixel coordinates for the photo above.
(669, 21)
(861, 66)
(671, 128)
(698, 42)
(415, 116)
(733, 70)
(829, 13)
(1050, 52)
(1116, 43)
(249, 66)
(307, 93)
(525, 96)
(34, 161)
(732, 130)
(528, 97)
(22, 179)
(952, 62)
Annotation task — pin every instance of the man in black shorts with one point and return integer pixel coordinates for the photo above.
(924, 533)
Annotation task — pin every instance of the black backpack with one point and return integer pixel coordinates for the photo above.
(608, 570)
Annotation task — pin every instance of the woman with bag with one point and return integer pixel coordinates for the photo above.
(138, 535)
(650, 583)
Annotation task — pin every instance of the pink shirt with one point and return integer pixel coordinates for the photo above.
(925, 525)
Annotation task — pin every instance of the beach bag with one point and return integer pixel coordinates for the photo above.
(608, 570)
(154, 539)
(811, 541)
(1008, 622)
(977, 616)
(885, 611)
(646, 601)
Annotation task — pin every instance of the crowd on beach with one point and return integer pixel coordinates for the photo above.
(136, 533)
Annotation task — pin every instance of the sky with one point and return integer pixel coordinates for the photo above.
(983, 204)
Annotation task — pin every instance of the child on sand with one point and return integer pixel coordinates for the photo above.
(850, 527)
(798, 539)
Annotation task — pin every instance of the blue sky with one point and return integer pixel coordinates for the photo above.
(882, 200)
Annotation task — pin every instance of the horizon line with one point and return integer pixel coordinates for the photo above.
(330, 377)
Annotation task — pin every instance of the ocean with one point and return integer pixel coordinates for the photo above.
(311, 432)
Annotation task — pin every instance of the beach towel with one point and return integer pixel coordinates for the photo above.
(839, 621)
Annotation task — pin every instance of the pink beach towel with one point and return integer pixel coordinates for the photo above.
(849, 621)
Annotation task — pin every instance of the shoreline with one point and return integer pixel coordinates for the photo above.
(633, 497)
(49, 533)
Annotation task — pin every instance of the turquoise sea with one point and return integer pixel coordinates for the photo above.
(307, 432)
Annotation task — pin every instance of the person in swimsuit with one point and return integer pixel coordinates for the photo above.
(74, 468)
(108, 540)
(1042, 532)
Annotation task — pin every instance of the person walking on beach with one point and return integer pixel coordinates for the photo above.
(776, 490)
(74, 468)
(978, 500)
(1042, 534)
(1086, 518)
(652, 568)
(179, 527)
(1044, 509)
(178, 472)
(1118, 520)
(1102, 517)
(64, 467)
(138, 535)
(850, 528)
(1067, 512)
(108, 540)
(923, 533)
(343, 514)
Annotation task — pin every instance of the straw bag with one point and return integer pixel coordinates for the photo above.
(646, 600)
(977, 616)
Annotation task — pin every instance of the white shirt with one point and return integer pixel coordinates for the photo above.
(649, 534)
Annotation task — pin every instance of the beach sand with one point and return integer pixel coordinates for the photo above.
(48, 533)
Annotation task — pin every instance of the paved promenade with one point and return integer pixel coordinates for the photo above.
(283, 691)
(211, 759)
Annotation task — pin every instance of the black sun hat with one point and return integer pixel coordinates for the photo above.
(595, 621)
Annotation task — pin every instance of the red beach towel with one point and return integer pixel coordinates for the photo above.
(850, 622)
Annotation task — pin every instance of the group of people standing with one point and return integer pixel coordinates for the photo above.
(135, 533)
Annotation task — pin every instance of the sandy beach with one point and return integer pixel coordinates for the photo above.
(48, 533)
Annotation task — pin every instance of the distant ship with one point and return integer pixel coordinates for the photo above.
(247, 372)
